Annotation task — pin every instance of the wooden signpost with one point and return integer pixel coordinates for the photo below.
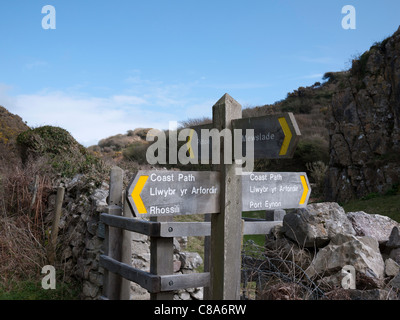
(222, 194)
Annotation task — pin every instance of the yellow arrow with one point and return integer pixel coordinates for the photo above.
(136, 194)
(189, 144)
(288, 136)
(305, 189)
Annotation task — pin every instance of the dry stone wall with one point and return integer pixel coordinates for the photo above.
(81, 242)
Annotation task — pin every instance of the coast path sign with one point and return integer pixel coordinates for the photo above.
(274, 190)
(166, 193)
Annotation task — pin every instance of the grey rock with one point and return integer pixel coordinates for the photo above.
(74, 182)
(391, 268)
(394, 239)
(90, 290)
(138, 293)
(373, 294)
(275, 215)
(190, 260)
(197, 294)
(139, 237)
(177, 245)
(395, 282)
(96, 278)
(99, 197)
(316, 224)
(372, 225)
(360, 252)
(184, 295)
(177, 265)
(395, 255)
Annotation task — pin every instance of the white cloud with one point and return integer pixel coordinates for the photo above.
(312, 76)
(129, 100)
(237, 86)
(5, 98)
(36, 64)
(319, 60)
(88, 119)
(143, 103)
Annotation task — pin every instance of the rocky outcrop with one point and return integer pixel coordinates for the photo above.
(327, 242)
(364, 125)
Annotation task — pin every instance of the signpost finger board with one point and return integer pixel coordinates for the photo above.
(162, 193)
(274, 190)
(275, 136)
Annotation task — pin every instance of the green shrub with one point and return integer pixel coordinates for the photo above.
(31, 289)
(66, 156)
(394, 190)
(359, 66)
(136, 152)
(312, 149)
(318, 171)
(296, 105)
(371, 195)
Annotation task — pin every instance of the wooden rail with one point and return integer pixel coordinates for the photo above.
(180, 229)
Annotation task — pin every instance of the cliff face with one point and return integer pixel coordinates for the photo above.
(364, 125)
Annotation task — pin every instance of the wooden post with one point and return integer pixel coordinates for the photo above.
(207, 253)
(115, 235)
(54, 228)
(226, 227)
(126, 250)
(161, 258)
(106, 273)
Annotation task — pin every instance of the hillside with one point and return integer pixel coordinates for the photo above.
(10, 126)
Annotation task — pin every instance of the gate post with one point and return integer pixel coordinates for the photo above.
(161, 259)
(115, 237)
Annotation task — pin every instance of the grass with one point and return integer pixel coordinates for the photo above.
(196, 244)
(388, 205)
(31, 289)
(259, 239)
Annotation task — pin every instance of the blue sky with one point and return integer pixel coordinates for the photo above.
(111, 66)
